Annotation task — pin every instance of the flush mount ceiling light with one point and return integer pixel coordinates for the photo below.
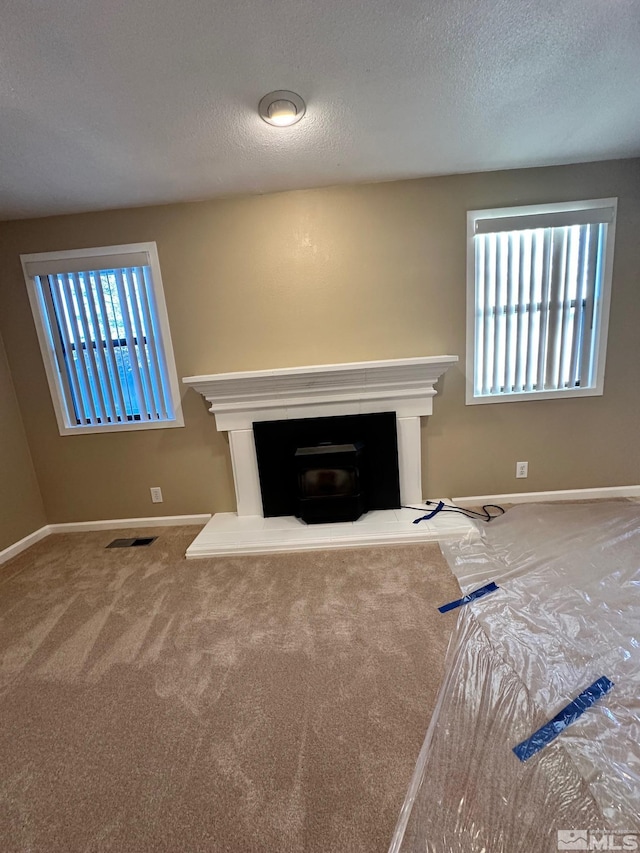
(281, 108)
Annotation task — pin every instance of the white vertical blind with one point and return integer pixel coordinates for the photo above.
(537, 302)
(104, 329)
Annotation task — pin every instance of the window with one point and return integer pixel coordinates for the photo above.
(102, 325)
(539, 284)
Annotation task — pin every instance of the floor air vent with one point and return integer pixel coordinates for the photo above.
(132, 543)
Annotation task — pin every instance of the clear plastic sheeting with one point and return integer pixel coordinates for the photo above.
(567, 612)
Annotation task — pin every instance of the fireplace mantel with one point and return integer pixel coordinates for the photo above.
(404, 385)
(238, 400)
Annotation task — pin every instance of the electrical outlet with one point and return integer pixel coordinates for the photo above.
(522, 470)
(156, 494)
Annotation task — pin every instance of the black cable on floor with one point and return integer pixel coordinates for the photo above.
(440, 506)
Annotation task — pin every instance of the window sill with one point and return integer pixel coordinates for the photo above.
(128, 427)
(533, 395)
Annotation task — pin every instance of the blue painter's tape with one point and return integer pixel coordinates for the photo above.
(477, 593)
(430, 514)
(568, 715)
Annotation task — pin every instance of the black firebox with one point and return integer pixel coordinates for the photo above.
(328, 469)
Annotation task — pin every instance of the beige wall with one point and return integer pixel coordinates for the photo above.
(320, 276)
(21, 510)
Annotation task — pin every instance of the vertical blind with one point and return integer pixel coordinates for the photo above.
(537, 303)
(103, 326)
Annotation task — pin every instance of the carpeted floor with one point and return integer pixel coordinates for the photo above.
(248, 704)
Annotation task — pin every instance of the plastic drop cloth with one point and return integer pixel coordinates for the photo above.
(566, 613)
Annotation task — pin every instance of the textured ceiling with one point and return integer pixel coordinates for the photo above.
(109, 103)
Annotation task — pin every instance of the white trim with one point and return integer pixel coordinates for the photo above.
(18, 547)
(38, 260)
(123, 427)
(107, 524)
(409, 460)
(494, 213)
(135, 249)
(122, 523)
(555, 394)
(558, 495)
(590, 212)
(52, 263)
(246, 477)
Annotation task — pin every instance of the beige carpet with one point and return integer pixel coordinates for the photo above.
(248, 704)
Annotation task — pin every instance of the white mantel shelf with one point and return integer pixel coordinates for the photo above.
(405, 386)
(239, 399)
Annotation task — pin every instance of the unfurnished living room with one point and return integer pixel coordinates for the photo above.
(319, 418)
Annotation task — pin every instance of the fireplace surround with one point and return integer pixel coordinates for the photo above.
(239, 400)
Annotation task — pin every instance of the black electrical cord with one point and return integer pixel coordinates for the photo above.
(485, 515)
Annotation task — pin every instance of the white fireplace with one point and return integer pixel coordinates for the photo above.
(404, 386)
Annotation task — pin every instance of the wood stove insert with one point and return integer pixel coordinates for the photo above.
(328, 469)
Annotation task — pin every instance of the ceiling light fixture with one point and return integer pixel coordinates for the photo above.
(281, 108)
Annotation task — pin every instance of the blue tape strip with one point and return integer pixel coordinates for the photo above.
(477, 593)
(566, 717)
(430, 514)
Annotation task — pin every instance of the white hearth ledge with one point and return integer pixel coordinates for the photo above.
(238, 400)
(227, 534)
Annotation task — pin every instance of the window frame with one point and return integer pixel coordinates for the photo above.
(48, 351)
(601, 332)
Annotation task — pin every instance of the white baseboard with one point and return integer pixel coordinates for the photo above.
(22, 545)
(559, 495)
(202, 518)
(105, 524)
(126, 523)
